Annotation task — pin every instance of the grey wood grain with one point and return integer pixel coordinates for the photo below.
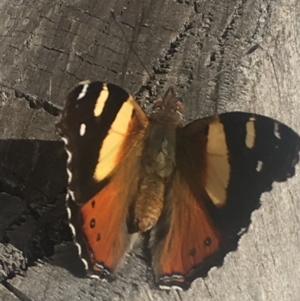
(7, 295)
(200, 47)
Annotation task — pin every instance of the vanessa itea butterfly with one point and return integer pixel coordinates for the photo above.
(193, 187)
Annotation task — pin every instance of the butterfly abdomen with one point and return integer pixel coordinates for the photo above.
(157, 165)
(158, 160)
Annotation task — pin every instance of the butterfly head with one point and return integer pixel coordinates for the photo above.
(168, 109)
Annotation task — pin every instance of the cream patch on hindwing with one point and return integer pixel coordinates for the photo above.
(259, 166)
(84, 89)
(101, 100)
(276, 130)
(250, 132)
(82, 129)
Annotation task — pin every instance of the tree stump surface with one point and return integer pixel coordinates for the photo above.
(220, 56)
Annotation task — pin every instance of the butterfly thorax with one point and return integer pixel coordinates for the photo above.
(157, 160)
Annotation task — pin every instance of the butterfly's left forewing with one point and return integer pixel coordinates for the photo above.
(223, 164)
(103, 130)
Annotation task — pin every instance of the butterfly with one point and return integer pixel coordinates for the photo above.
(191, 187)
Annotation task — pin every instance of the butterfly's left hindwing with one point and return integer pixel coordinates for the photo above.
(103, 129)
(224, 163)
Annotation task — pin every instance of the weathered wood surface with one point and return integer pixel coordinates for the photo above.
(197, 46)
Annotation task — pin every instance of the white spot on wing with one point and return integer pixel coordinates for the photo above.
(69, 156)
(72, 229)
(71, 194)
(165, 287)
(276, 130)
(69, 213)
(84, 82)
(86, 266)
(65, 140)
(170, 278)
(250, 132)
(242, 231)
(83, 91)
(69, 176)
(82, 129)
(102, 267)
(78, 248)
(259, 166)
(101, 100)
(93, 276)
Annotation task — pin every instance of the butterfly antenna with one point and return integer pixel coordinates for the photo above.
(247, 52)
(128, 42)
